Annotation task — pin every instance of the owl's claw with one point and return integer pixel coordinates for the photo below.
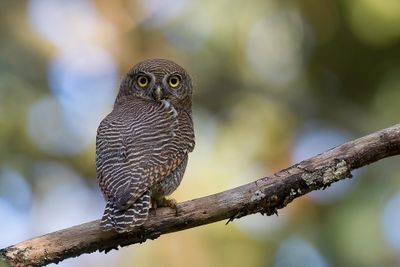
(168, 202)
(154, 206)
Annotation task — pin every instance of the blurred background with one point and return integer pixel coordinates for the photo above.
(276, 82)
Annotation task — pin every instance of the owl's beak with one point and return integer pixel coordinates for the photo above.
(158, 91)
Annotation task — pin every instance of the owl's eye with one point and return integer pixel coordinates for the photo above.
(174, 81)
(142, 81)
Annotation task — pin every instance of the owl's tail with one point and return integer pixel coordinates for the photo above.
(124, 220)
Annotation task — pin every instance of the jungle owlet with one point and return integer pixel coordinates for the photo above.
(142, 146)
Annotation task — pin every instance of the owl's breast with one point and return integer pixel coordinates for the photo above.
(151, 130)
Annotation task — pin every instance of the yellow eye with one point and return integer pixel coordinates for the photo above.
(142, 81)
(174, 81)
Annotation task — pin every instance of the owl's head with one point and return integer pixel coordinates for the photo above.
(157, 80)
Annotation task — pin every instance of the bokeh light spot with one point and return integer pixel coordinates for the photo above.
(274, 50)
(386, 100)
(11, 182)
(48, 130)
(390, 222)
(296, 252)
(84, 83)
(375, 22)
(67, 24)
(15, 226)
(159, 12)
(62, 192)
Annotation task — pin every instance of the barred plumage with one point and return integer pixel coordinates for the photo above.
(142, 145)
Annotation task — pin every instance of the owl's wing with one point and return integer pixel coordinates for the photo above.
(136, 150)
(111, 161)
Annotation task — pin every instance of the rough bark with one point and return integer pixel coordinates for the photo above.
(265, 195)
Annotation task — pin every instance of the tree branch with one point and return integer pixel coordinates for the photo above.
(265, 195)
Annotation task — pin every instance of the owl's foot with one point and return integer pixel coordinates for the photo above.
(167, 202)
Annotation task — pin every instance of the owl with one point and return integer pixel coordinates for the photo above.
(142, 146)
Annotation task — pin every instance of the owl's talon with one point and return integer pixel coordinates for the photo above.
(177, 210)
(154, 206)
(168, 202)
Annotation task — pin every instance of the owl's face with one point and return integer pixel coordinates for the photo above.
(157, 80)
